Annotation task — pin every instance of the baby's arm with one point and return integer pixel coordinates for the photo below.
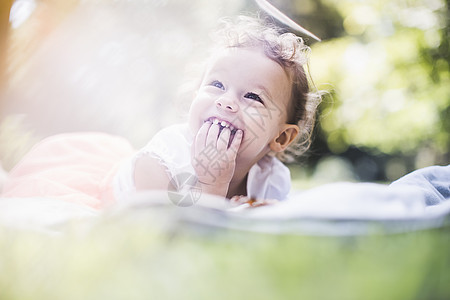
(149, 174)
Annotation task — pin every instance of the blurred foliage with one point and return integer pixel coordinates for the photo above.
(392, 77)
(386, 66)
(117, 66)
(15, 140)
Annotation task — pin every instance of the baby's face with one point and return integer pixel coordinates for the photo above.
(244, 89)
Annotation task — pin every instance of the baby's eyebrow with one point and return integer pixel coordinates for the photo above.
(216, 71)
(264, 90)
(213, 74)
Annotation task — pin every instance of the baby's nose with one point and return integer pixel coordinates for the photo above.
(227, 104)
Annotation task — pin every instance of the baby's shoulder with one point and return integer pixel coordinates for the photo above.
(272, 164)
(169, 143)
(175, 131)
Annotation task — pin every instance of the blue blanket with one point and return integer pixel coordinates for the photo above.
(433, 183)
(418, 200)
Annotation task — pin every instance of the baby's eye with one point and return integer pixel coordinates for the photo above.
(217, 84)
(254, 96)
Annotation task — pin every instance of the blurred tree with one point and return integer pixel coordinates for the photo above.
(75, 65)
(386, 65)
(5, 8)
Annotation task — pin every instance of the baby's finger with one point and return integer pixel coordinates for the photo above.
(236, 143)
(223, 140)
(200, 138)
(213, 133)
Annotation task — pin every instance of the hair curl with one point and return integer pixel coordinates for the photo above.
(291, 53)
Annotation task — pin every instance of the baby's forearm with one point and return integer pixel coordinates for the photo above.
(149, 174)
(213, 189)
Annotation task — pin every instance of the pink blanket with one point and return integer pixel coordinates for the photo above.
(75, 167)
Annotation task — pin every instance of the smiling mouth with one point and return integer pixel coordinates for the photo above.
(223, 124)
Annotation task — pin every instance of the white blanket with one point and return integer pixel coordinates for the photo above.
(419, 200)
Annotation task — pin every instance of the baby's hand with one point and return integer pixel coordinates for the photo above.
(241, 202)
(214, 157)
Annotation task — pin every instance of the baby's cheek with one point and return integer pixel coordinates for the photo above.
(255, 141)
(194, 126)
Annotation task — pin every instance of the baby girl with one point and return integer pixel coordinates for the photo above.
(252, 107)
(253, 104)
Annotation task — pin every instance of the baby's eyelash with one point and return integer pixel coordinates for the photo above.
(254, 96)
(217, 84)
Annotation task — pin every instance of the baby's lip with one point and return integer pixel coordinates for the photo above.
(223, 123)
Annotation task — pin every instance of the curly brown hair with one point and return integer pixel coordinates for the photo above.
(291, 53)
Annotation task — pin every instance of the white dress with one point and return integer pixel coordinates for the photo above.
(267, 179)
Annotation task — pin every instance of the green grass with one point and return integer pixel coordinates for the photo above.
(138, 256)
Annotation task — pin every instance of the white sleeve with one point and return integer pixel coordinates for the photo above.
(269, 178)
(171, 146)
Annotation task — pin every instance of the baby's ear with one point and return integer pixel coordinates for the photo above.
(285, 138)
